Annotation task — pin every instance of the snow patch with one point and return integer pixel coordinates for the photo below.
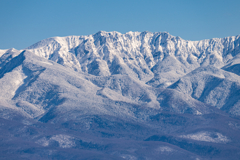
(43, 142)
(128, 157)
(198, 113)
(48, 63)
(214, 137)
(64, 141)
(164, 149)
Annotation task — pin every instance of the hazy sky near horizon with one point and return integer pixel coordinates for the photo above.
(25, 22)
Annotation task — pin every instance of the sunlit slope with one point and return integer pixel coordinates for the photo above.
(138, 95)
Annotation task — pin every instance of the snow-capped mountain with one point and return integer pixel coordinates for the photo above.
(109, 94)
(139, 55)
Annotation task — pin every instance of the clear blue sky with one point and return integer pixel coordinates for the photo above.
(25, 22)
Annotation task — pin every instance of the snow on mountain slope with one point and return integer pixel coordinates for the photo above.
(233, 65)
(42, 89)
(212, 86)
(2, 51)
(174, 101)
(137, 95)
(139, 55)
(208, 137)
(116, 66)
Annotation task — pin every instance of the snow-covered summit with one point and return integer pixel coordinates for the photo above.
(137, 54)
(111, 94)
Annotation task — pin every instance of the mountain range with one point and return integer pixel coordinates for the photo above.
(138, 95)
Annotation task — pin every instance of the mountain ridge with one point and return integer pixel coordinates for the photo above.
(138, 52)
(113, 94)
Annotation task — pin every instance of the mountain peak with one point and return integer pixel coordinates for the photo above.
(138, 53)
(78, 95)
